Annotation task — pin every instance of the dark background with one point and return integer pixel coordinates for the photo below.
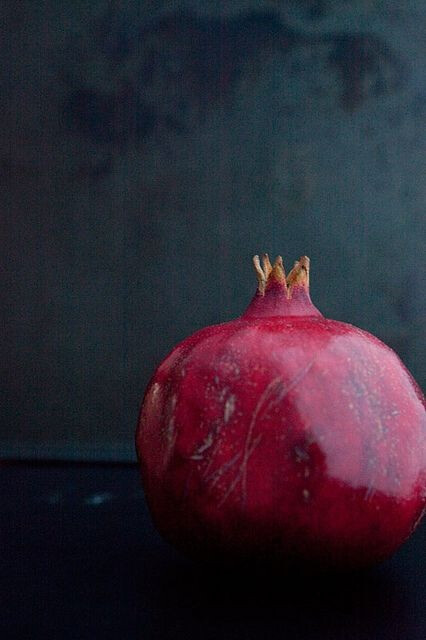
(149, 149)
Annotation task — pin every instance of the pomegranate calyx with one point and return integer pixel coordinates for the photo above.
(267, 274)
(278, 294)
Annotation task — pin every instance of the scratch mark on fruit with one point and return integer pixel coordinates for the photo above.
(370, 491)
(239, 475)
(170, 436)
(275, 384)
(285, 390)
(212, 453)
(211, 437)
(205, 445)
(170, 429)
(260, 403)
(229, 408)
(155, 390)
(214, 477)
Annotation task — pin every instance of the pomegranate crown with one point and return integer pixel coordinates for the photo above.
(278, 294)
(268, 274)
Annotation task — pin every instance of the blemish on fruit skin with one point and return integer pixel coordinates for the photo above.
(222, 394)
(306, 495)
(217, 474)
(229, 408)
(205, 445)
(300, 454)
(370, 491)
(155, 389)
(240, 477)
(170, 431)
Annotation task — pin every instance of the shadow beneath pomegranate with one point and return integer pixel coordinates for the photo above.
(232, 602)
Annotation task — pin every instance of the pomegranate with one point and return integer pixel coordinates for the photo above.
(284, 435)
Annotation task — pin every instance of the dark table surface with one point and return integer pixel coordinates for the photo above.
(80, 559)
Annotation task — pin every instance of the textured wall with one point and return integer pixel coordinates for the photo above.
(148, 149)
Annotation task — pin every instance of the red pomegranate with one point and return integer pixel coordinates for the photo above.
(284, 435)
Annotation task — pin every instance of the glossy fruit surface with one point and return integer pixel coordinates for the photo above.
(284, 435)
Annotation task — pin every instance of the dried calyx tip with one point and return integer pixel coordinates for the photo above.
(265, 272)
(261, 278)
(266, 265)
(277, 272)
(299, 275)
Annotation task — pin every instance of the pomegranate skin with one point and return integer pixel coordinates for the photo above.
(285, 437)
